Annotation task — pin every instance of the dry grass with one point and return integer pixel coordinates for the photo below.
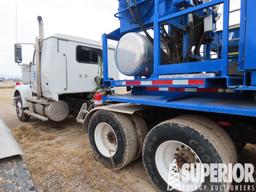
(7, 85)
(62, 160)
(59, 156)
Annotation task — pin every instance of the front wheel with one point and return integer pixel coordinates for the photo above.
(185, 140)
(20, 110)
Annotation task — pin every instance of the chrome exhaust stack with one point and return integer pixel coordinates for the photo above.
(39, 43)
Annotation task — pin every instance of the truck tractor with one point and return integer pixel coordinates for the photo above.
(63, 75)
(191, 99)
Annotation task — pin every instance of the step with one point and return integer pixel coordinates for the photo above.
(81, 121)
(37, 116)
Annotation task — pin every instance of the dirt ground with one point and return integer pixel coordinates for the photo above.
(7, 84)
(59, 156)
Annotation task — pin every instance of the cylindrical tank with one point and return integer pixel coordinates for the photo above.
(134, 55)
(55, 111)
(39, 109)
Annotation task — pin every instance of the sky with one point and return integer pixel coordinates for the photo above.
(84, 18)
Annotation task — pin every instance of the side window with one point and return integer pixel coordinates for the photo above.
(87, 55)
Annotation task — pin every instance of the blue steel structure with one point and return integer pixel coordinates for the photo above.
(221, 91)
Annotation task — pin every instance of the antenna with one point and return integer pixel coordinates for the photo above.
(16, 21)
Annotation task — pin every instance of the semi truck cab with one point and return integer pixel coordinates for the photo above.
(63, 74)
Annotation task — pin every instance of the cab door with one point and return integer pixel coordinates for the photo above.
(81, 62)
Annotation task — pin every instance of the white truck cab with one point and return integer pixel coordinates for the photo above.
(64, 72)
(69, 65)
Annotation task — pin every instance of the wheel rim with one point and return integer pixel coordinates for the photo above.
(168, 163)
(19, 108)
(105, 139)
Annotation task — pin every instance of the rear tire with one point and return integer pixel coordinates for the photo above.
(20, 110)
(141, 131)
(202, 140)
(113, 139)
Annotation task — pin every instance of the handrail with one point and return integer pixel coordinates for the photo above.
(235, 10)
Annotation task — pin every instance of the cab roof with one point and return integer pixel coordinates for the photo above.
(78, 39)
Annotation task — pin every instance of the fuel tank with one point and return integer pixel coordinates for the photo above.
(134, 55)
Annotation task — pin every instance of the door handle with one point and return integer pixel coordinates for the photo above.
(66, 67)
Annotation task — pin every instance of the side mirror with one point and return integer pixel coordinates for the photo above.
(18, 53)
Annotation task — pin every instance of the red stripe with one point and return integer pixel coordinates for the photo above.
(196, 82)
(152, 88)
(132, 82)
(207, 90)
(162, 82)
(176, 89)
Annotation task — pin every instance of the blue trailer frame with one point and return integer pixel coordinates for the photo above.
(223, 93)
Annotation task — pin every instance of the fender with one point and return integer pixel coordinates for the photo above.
(24, 91)
(124, 108)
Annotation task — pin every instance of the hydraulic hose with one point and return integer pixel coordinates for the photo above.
(137, 20)
(191, 37)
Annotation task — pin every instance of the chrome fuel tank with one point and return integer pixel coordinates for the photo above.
(134, 55)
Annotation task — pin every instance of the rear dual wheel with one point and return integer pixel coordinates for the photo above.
(186, 139)
(116, 139)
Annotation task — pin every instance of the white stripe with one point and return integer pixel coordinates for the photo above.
(221, 90)
(124, 83)
(190, 89)
(146, 82)
(163, 89)
(229, 91)
(180, 82)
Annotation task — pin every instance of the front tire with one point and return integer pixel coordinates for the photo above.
(20, 110)
(186, 139)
